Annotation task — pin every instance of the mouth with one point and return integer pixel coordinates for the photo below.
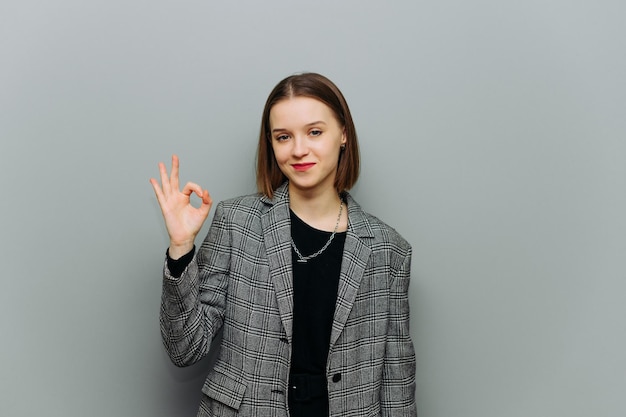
(302, 167)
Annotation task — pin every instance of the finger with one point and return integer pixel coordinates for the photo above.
(206, 198)
(206, 203)
(165, 181)
(157, 191)
(174, 182)
(192, 187)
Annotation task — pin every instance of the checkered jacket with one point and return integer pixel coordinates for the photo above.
(240, 280)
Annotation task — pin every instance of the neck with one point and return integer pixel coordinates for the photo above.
(319, 210)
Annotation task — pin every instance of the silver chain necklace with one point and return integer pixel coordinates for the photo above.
(303, 259)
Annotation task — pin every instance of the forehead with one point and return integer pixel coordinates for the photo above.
(299, 110)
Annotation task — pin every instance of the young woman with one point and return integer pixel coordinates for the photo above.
(310, 291)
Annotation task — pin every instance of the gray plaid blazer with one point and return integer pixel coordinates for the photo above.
(241, 280)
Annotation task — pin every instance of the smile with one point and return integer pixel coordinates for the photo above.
(302, 167)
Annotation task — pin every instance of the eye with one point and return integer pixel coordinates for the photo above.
(281, 138)
(315, 132)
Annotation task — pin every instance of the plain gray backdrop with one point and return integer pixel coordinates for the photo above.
(492, 135)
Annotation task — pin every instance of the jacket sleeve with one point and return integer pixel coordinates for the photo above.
(193, 305)
(398, 385)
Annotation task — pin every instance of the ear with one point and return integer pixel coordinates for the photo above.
(344, 138)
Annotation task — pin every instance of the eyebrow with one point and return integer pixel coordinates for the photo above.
(308, 124)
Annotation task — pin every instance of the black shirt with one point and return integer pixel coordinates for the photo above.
(315, 285)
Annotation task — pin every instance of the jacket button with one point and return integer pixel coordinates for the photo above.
(337, 377)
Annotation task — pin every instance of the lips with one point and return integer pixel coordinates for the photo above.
(303, 167)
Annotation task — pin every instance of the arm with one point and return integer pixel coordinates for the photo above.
(186, 334)
(192, 306)
(398, 385)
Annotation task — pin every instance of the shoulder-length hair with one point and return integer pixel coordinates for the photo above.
(269, 176)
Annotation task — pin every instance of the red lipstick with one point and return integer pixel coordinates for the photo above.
(302, 167)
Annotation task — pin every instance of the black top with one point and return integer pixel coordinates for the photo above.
(315, 294)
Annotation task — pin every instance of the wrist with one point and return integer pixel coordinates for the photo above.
(178, 250)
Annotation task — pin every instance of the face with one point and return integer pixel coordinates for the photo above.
(306, 139)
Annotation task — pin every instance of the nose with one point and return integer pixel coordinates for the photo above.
(300, 147)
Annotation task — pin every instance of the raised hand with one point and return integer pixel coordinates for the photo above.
(182, 220)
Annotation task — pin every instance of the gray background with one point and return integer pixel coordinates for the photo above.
(493, 138)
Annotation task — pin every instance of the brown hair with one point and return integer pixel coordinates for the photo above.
(268, 175)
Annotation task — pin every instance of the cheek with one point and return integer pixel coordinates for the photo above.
(279, 154)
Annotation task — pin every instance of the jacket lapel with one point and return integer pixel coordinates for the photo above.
(277, 235)
(356, 254)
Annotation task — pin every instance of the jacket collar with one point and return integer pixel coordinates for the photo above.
(357, 219)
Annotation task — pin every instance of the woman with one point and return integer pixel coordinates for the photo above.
(311, 291)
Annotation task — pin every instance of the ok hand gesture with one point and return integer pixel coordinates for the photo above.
(182, 220)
